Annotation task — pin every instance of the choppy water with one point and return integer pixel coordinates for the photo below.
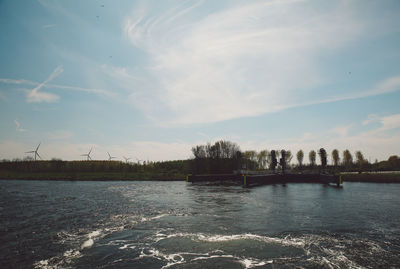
(179, 225)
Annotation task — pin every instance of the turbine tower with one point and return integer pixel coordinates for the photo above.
(88, 155)
(126, 159)
(110, 157)
(35, 152)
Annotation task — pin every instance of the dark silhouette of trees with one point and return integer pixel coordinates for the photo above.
(323, 157)
(282, 161)
(394, 162)
(312, 157)
(335, 157)
(300, 157)
(362, 163)
(221, 157)
(274, 161)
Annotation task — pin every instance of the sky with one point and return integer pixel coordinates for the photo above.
(149, 80)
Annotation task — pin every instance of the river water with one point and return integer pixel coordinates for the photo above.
(45, 224)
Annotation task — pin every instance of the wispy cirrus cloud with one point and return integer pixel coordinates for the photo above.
(34, 96)
(100, 92)
(243, 60)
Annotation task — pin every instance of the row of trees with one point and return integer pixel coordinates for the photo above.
(224, 156)
(264, 159)
(220, 157)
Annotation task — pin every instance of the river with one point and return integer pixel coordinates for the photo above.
(49, 224)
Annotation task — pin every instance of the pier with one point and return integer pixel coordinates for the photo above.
(248, 180)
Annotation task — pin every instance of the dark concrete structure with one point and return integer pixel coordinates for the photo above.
(263, 179)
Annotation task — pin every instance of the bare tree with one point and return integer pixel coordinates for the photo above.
(300, 157)
(312, 157)
(335, 157)
(347, 158)
(262, 159)
(360, 160)
(288, 158)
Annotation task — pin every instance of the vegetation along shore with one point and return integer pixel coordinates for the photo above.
(219, 158)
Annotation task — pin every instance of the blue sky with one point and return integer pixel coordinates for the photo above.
(151, 79)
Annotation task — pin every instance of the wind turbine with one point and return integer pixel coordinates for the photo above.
(126, 159)
(110, 157)
(35, 151)
(88, 155)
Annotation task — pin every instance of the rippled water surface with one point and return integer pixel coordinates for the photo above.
(181, 225)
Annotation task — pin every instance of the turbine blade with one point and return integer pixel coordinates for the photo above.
(38, 155)
(30, 152)
(38, 146)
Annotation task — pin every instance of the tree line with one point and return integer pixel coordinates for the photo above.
(220, 157)
(225, 156)
(59, 166)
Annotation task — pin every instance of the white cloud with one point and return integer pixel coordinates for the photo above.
(18, 126)
(390, 122)
(244, 61)
(34, 96)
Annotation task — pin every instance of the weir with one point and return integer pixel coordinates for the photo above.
(263, 179)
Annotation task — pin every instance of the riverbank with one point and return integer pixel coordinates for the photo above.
(92, 176)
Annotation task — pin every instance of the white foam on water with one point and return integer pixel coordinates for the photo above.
(94, 234)
(87, 244)
(144, 219)
(323, 250)
(179, 258)
(55, 262)
(43, 264)
(130, 246)
(250, 263)
(287, 241)
(246, 262)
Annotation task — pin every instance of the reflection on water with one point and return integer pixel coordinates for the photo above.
(178, 225)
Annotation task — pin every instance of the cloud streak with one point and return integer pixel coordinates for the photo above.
(34, 96)
(100, 92)
(241, 61)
